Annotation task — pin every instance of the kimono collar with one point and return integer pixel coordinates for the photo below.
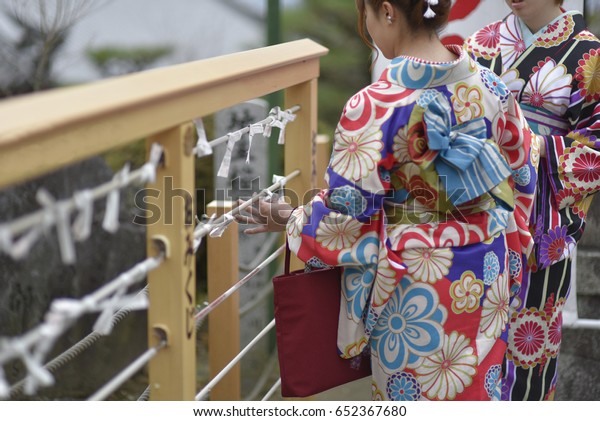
(529, 37)
(415, 73)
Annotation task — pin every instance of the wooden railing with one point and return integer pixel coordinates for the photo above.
(46, 131)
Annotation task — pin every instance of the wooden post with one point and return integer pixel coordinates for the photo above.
(322, 161)
(172, 287)
(300, 146)
(224, 321)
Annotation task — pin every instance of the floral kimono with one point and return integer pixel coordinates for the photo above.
(431, 182)
(555, 76)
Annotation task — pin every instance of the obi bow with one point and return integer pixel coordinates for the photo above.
(467, 163)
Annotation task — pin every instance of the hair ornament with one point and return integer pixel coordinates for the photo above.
(429, 13)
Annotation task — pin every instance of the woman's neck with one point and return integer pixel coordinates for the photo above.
(537, 21)
(426, 47)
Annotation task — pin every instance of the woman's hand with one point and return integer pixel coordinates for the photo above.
(270, 216)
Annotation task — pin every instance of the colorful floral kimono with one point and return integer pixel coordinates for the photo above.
(431, 182)
(555, 76)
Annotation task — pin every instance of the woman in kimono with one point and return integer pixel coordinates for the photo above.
(551, 63)
(422, 212)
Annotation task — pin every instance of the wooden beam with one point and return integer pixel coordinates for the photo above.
(51, 129)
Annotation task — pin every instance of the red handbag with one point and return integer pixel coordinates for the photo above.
(307, 306)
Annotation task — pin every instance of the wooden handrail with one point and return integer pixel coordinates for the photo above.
(51, 129)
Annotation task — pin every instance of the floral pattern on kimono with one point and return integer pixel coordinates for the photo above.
(431, 182)
(554, 74)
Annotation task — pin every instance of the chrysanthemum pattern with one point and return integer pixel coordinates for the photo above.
(355, 157)
(588, 75)
(404, 294)
(337, 231)
(556, 33)
(549, 88)
(348, 200)
(512, 44)
(493, 379)
(491, 267)
(400, 146)
(403, 387)
(297, 220)
(555, 323)
(555, 245)
(494, 313)
(485, 42)
(450, 370)
(527, 335)
(385, 280)
(428, 264)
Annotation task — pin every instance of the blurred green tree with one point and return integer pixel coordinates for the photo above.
(345, 70)
(35, 32)
(116, 60)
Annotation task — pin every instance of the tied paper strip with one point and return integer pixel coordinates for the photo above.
(224, 168)
(104, 324)
(82, 227)
(279, 179)
(60, 213)
(255, 129)
(280, 120)
(34, 362)
(219, 229)
(202, 148)
(111, 214)
(149, 169)
(275, 197)
(200, 225)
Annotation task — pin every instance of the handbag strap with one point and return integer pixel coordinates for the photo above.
(287, 257)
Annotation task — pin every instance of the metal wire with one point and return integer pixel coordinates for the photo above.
(77, 349)
(127, 373)
(206, 390)
(272, 390)
(210, 307)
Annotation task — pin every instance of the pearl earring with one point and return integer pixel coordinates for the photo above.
(389, 19)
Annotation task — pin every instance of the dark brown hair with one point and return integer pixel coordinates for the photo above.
(413, 10)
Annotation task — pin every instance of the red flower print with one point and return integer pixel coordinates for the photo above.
(555, 330)
(529, 338)
(566, 198)
(527, 335)
(586, 167)
(489, 36)
(520, 46)
(553, 245)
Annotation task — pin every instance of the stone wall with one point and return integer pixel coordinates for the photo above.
(579, 363)
(28, 286)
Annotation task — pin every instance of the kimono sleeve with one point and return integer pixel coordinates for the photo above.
(573, 161)
(343, 225)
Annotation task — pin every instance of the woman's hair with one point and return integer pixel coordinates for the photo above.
(413, 10)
